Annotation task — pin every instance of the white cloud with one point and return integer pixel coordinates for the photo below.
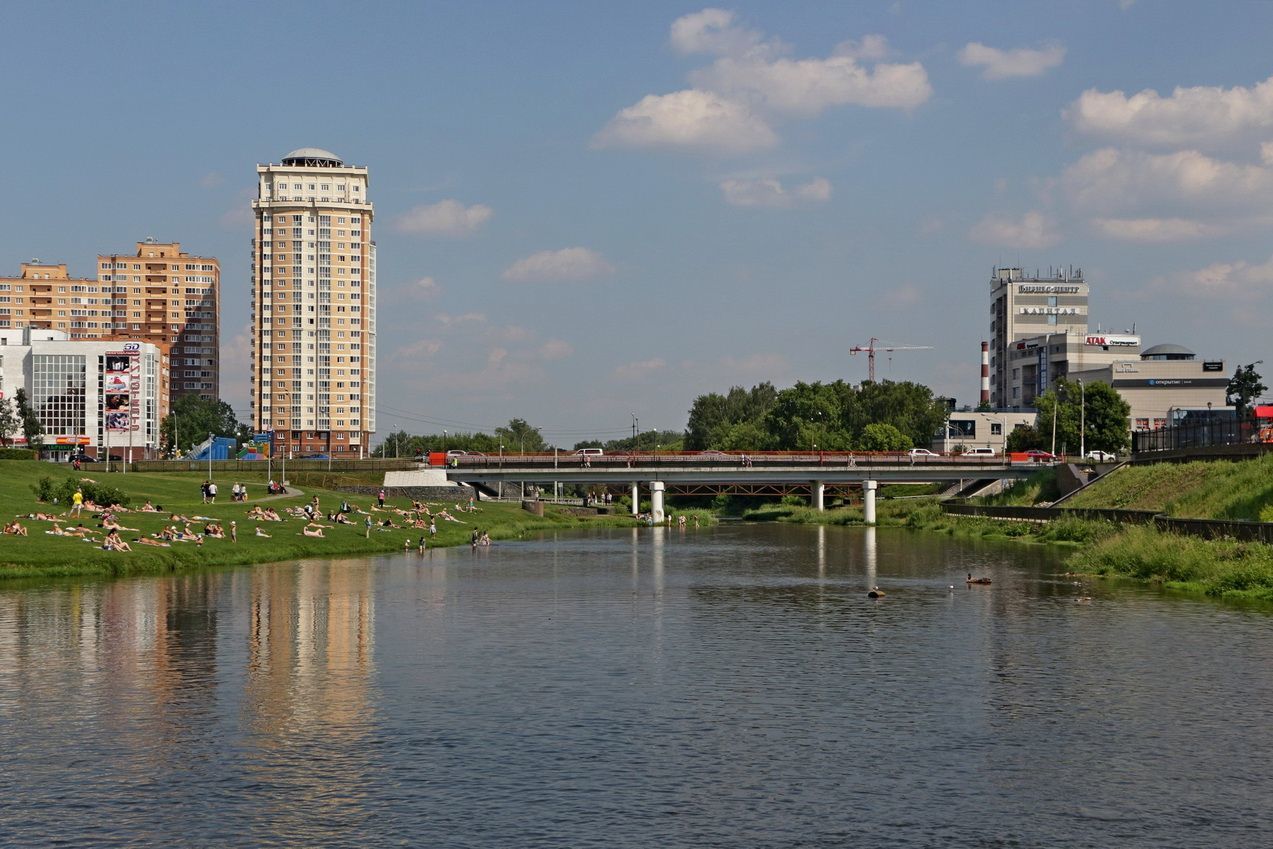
(448, 320)
(426, 288)
(1187, 184)
(1152, 230)
(806, 87)
(414, 353)
(1032, 230)
(1199, 116)
(238, 218)
(448, 218)
(871, 48)
(565, 265)
(1219, 283)
(555, 349)
(769, 192)
(1000, 64)
(211, 180)
(734, 100)
(712, 31)
(691, 118)
(640, 370)
(900, 297)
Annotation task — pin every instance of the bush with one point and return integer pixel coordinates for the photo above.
(18, 454)
(61, 493)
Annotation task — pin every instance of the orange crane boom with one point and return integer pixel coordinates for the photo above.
(874, 345)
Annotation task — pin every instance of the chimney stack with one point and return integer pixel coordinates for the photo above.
(985, 372)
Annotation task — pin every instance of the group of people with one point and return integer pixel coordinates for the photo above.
(209, 492)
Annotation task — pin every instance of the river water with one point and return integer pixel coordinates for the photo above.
(722, 687)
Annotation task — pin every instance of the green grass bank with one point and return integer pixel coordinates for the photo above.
(42, 555)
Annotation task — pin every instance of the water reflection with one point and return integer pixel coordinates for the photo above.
(729, 687)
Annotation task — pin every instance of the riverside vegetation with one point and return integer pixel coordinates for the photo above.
(43, 555)
(1227, 569)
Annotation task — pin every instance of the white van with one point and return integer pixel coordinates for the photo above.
(979, 452)
(589, 452)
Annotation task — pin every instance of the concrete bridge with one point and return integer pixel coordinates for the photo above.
(712, 472)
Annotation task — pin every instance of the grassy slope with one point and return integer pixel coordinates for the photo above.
(44, 555)
(1200, 490)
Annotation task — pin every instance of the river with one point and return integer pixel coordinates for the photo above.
(719, 687)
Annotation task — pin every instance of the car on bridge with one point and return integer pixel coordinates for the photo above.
(923, 454)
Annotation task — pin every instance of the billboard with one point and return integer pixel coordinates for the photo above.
(121, 388)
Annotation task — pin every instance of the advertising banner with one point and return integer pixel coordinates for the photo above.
(121, 379)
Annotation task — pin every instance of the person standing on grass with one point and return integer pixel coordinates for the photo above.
(234, 531)
(367, 523)
(380, 499)
(203, 488)
(212, 493)
(77, 502)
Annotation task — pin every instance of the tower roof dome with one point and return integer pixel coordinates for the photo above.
(313, 157)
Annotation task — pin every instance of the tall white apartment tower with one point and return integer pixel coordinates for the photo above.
(314, 306)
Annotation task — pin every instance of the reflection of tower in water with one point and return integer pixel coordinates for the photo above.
(310, 662)
(868, 544)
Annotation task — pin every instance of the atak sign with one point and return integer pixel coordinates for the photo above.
(1107, 341)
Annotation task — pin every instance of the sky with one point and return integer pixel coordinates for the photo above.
(589, 212)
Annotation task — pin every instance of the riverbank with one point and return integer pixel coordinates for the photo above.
(41, 554)
(1216, 568)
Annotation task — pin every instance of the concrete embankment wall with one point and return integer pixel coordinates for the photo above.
(1205, 528)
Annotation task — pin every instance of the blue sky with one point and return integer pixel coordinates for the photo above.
(589, 210)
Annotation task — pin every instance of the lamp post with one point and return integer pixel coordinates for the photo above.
(211, 436)
(269, 458)
(1082, 422)
(443, 440)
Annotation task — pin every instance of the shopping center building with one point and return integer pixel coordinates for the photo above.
(98, 396)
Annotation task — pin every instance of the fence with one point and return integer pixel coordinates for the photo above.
(262, 465)
(1202, 434)
(1206, 528)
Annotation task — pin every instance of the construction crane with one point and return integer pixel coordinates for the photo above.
(874, 345)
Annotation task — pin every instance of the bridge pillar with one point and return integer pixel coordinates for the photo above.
(656, 501)
(868, 501)
(819, 491)
(636, 498)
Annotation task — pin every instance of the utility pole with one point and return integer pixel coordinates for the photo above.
(1082, 422)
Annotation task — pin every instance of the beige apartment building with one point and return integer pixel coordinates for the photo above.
(314, 306)
(159, 294)
(1023, 306)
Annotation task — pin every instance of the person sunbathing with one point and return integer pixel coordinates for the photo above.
(149, 541)
(15, 528)
(168, 533)
(261, 533)
(342, 519)
(213, 530)
(43, 517)
(113, 542)
(312, 532)
(147, 507)
(448, 517)
(109, 523)
(388, 523)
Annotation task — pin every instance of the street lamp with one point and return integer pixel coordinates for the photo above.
(211, 437)
(444, 440)
(1082, 422)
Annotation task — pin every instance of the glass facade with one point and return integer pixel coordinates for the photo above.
(57, 393)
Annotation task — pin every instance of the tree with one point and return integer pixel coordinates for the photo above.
(1098, 405)
(881, 436)
(9, 422)
(713, 416)
(1244, 387)
(520, 435)
(193, 417)
(30, 422)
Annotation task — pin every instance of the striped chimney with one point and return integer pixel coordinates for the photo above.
(985, 372)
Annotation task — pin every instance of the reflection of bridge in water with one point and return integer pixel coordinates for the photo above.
(711, 473)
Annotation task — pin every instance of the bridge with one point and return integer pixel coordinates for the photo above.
(714, 472)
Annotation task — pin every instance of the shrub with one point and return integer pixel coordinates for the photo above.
(18, 454)
(61, 493)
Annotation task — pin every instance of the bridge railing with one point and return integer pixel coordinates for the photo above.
(722, 459)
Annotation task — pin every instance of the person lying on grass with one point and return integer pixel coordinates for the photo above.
(148, 507)
(448, 517)
(261, 532)
(110, 524)
(41, 517)
(264, 514)
(312, 532)
(214, 530)
(339, 518)
(15, 528)
(149, 541)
